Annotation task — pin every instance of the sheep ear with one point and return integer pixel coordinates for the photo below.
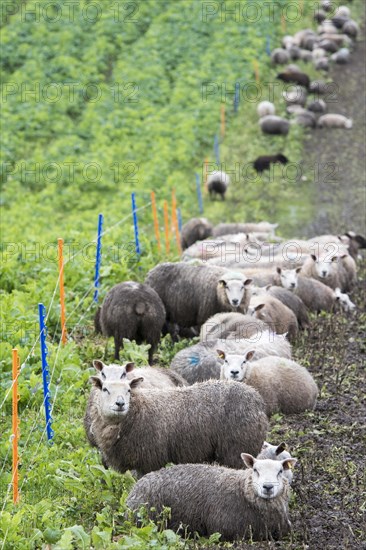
(96, 381)
(135, 382)
(289, 463)
(281, 447)
(249, 354)
(279, 270)
(248, 460)
(258, 308)
(298, 269)
(344, 256)
(220, 353)
(248, 282)
(268, 287)
(129, 367)
(98, 365)
(313, 257)
(335, 259)
(222, 283)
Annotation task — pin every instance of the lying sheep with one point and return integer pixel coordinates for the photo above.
(319, 106)
(335, 121)
(203, 499)
(289, 299)
(343, 11)
(264, 162)
(295, 96)
(299, 78)
(276, 452)
(344, 301)
(318, 53)
(220, 421)
(285, 386)
(134, 311)
(266, 108)
(152, 378)
(192, 294)
(275, 314)
(320, 15)
(306, 118)
(217, 183)
(274, 125)
(222, 325)
(227, 228)
(321, 64)
(351, 29)
(196, 229)
(279, 56)
(320, 87)
(322, 269)
(342, 57)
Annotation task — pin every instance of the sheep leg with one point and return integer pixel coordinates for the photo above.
(151, 354)
(118, 344)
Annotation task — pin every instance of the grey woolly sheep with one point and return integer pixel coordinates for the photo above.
(290, 300)
(321, 64)
(326, 5)
(349, 240)
(211, 499)
(134, 311)
(318, 53)
(222, 325)
(153, 378)
(335, 121)
(217, 183)
(343, 11)
(285, 386)
(295, 95)
(320, 87)
(274, 125)
(196, 229)
(228, 228)
(275, 314)
(276, 452)
(305, 118)
(279, 56)
(146, 429)
(351, 29)
(306, 56)
(192, 294)
(295, 52)
(319, 106)
(341, 57)
(328, 45)
(320, 15)
(266, 108)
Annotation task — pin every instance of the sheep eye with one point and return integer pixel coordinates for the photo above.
(129, 391)
(280, 472)
(103, 375)
(105, 389)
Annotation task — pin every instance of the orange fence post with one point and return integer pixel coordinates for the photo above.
(222, 120)
(283, 23)
(175, 221)
(15, 424)
(256, 70)
(62, 290)
(166, 225)
(155, 217)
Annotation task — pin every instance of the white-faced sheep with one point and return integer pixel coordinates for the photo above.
(192, 294)
(217, 183)
(335, 121)
(344, 301)
(275, 314)
(322, 268)
(285, 386)
(266, 108)
(220, 421)
(134, 311)
(251, 504)
(274, 125)
(276, 452)
(279, 56)
(196, 229)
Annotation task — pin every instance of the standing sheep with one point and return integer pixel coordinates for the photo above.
(145, 430)
(134, 311)
(196, 229)
(335, 121)
(218, 182)
(264, 162)
(285, 386)
(322, 269)
(274, 125)
(192, 294)
(211, 499)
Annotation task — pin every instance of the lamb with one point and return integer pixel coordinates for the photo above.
(276, 452)
(217, 183)
(285, 386)
(278, 317)
(153, 378)
(335, 121)
(200, 362)
(299, 78)
(264, 162)
(266, 108)
(279, 56)
(228, 228)
(211, 499)
(342, 57)
(196, 229)
(134, 311)
(274, 125)
(290, 300)
(220, 421)
(192, 294)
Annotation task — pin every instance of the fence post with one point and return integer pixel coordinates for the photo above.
(45, 373)
(15, 423)
(62, 290)
(98, 258)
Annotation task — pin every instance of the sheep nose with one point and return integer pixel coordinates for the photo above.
(234, 373)
(268, 487)
(235, 302)
(292, 285)
(120, 402)
(324, 273)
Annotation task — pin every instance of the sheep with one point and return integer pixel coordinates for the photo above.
(192, 294)
(287, 42)
(276, 452)
(322, 269)
(290, 300)
(274, 125)
(320, 87)
(342, 57)
(306, 56)
(328, 45)
(146, 429)
(217, 183)
(279, 317)
(318, 53)
(339, 20)
(326, 5)
(351, 29)
(285, 385)
(200, 362)
(335, 121)
(354, 243)
(227, 228)
(196, 229)
(153, 378)
(264, 162)
(343, 11)
(305, 118)
(338, 39)
(279, 56)
(344, 300)
(292, 68)
(266, 108)
(320, 15)
(321, 64)
(134, 311)
(222, 325)
(208, 499)
(299, 78)
(319, 106)
(295, 95)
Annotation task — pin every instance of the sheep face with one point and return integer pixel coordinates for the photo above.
(114, 397)
(234, 367)
(324, 268)
(268, 476)
(232, 291)
(289, 277)
(344, 300)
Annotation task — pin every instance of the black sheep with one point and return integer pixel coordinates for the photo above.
(264, 162)
(296, 77)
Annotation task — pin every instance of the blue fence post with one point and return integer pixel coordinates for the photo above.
(135, 224)
(98, 258)
(180, 223)
(199, 193)
(268, 45)
(236, 96)
(45, 373)
(217, 149)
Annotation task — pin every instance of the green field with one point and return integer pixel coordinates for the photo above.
(101, 99)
